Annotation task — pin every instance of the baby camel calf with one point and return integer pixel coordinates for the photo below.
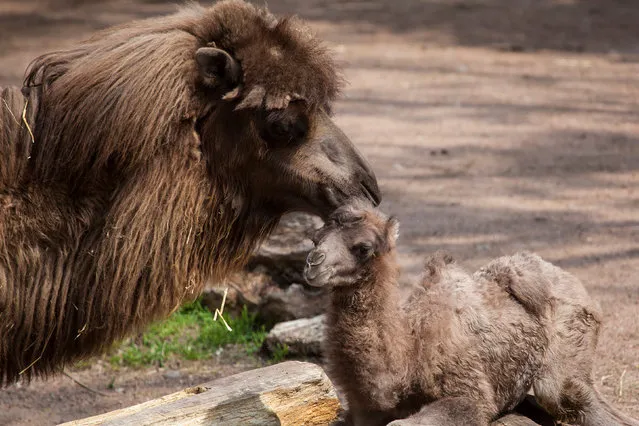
(464, 349)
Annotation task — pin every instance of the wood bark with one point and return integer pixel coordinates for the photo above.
(289, 393)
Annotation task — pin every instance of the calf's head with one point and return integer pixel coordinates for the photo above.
(348, 246)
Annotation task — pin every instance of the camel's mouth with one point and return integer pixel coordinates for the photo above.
(318, 279)
(315, 273)
(333, 198)
(371, 192)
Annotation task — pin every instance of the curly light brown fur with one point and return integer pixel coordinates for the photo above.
(464, 349)
(146, 177)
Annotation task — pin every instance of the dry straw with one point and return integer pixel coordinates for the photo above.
(24, 118)
(221, 311)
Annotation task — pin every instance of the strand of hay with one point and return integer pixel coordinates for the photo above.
(219, 312)
(79, 383)
(10, 112)
(621, 383)
(24, 118)
(41, 354)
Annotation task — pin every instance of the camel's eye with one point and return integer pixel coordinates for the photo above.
(362, 251)
(277, 131)
(283, 128)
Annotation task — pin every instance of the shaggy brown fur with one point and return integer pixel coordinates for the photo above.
(164, 150)
(464, 350)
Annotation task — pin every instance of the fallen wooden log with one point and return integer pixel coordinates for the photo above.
(289, 393)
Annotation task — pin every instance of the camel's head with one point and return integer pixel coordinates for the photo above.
(231, 85)
(269, 86)
(347, 247)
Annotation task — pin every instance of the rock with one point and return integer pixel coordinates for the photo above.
(172, 374)
(244, 288)
(262, 296)
(271, 285)
(302, 337)
(284, 252)
(290, 304)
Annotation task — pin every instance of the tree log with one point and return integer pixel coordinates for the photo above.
(514, 420)
(289, 393)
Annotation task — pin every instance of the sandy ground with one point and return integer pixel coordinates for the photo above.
(493, 126)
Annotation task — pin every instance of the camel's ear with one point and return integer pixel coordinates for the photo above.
(218, 70)
(392, 230)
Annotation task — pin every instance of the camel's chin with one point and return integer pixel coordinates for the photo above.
(318, 280)
(329, 199)
(327, 210)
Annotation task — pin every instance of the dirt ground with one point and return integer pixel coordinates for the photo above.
(493, 126)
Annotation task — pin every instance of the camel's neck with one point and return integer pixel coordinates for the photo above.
(366, 328)
(135, 256)
(371, 299)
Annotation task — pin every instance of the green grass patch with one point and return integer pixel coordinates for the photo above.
(279, 353)
(190, 334)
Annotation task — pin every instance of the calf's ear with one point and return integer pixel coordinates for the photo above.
(392, 230)
(218, 69)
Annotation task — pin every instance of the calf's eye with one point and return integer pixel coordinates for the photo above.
(362, 251)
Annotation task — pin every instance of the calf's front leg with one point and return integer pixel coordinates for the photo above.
(450, 411)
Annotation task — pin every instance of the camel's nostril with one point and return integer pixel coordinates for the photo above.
(315, 258)
(316, 276)
(311, 273)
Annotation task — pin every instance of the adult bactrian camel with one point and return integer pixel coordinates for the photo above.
(157, 155)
